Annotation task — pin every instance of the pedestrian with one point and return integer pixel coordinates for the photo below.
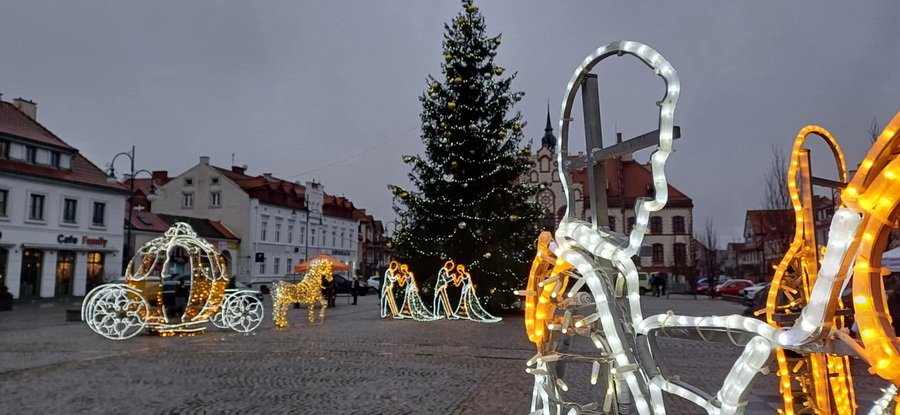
(654, 284)
(354, 288)
(663, 280)
(328, 291)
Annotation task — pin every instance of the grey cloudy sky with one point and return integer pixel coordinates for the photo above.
(328, 89)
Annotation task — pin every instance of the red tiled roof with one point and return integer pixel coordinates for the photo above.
(629, 180)
(15, 122)
(146, 221)
(763, 222)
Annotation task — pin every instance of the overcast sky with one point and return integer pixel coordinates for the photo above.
(328, 90)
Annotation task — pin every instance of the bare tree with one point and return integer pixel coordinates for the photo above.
(777, 223)
(710, 260)
(874, 129)
(776, 195)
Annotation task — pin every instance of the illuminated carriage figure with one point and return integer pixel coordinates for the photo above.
(627, 355)
(120, 311)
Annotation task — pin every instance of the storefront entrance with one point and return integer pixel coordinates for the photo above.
(95, 261)
(65, 273)
(4, 254)
(32, 260)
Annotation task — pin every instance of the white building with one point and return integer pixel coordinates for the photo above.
(61, 230)
(668, 243)
(280, 223)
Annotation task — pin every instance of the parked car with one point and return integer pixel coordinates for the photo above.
(374, 283)
(703, 283)
(749, 294)
(342, 285)
(241, 286)
(733, 287)
(643, 282)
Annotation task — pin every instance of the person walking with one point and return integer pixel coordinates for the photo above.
(354, 289)
(663, 280)
(654, 284)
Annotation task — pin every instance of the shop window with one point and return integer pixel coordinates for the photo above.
(658, 256)
(95, 261)
(32, 261)
(65, 273)
(99, 216)
(70, 210)
(36, 209)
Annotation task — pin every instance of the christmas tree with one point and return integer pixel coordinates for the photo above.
(469, 203)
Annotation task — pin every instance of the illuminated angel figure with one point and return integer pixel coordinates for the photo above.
(469, 307)
(446, 276)
(413, 306)
(392, 277)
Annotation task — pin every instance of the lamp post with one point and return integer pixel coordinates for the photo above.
(111, 178)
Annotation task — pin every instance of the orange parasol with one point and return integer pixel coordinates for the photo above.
(336, 265)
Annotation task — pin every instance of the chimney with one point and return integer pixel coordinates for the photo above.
(27, 107)
(204, 160)
(160, 176)
(624, 157)
(268, 176)
(239, 169)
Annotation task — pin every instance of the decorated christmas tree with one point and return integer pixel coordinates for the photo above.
(469, 203)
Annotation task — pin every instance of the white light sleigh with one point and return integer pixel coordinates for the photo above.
(626, 361)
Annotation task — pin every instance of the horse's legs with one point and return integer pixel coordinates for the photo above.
(323, 303)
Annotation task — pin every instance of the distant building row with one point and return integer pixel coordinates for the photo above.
(61, 217)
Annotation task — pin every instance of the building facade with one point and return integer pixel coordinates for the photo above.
(668, 243)
(279, 223)
(60, 220)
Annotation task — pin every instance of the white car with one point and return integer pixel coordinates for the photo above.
(750, 292)
(374, 283)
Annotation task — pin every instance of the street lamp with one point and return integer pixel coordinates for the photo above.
(111, 178)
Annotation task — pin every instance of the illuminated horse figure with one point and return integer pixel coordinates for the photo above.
(593, 255)
(469, 307)
(308, 291)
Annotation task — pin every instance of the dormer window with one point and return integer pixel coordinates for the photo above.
(4, 149)
(54, 159)
(31, 154)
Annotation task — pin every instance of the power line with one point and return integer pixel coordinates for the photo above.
(366, 151)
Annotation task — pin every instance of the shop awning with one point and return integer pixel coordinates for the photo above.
(79, 248)
(336, 265)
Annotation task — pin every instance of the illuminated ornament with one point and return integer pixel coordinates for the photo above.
(307, 291)
(469, 307)
(462, 225)
(404, 194)
(513, 218)
(527, 152)
(454, 164)
(448, 57)
(497, 40)
(471, 8)
(436, 84)
(120, 311)
(517, 127)
(461, 21)
(451, 105)
(498, 70)
(487, 255)
(447, 134)
(443, 124)
(389, 244)
(502, 134)
(407, 159)
(457, 80)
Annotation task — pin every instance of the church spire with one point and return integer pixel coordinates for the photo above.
(549, 140)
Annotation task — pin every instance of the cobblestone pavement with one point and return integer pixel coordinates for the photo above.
(354, 363)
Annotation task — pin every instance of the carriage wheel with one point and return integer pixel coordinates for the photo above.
(242, 312)
(116, 312)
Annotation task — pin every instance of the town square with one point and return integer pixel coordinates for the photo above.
(397, 207)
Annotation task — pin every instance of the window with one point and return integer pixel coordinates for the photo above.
(187, 200)
(277, 265)
(658, 253)
(612, 223)
(262, 268)
(36, 210)
(678, 224)
(679, 253)
(303, 235)
(630, 224)
(656, 224)
(188, 182)
(54, 159)
(262, 230)
(333, 238)
(215, 180)
(277, 237)
(99, 217)
(4, 149)
(70, 210)
(288, 266)
(94, 269)
(290, 235)
(312, 235)
(30, 154)
(215, 199)
(4, 201)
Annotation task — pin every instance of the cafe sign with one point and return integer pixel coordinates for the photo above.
(84, 240)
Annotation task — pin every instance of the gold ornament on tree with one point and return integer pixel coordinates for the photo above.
(448, 57)
(471, 8)
(513, 218)
(457, 80)
(499, 70)
(451, 105)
